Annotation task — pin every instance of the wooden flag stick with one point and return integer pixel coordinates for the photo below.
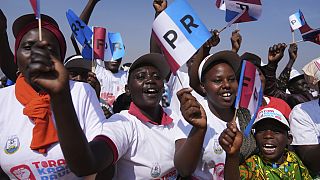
(293, 40)
(40, 32)
(233, 20)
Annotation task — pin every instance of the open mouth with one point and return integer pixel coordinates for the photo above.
(226, 96)
(269, 148)
(151, 91)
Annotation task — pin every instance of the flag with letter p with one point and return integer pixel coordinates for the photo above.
(180, 33)
(243, 10)
(250, 92)
(297, 20)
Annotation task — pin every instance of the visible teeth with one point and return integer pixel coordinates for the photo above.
(226, 94)
(151, 91)
(268, 145)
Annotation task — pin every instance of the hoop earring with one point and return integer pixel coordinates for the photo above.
(18, 73)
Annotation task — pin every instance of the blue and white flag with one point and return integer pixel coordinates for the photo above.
(296, 20)
(80, 30)
(116, 46)
(180, 33)
(250, 10)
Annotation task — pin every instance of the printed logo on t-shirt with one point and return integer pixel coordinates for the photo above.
(172, 175)
(219, 171)
(216, 147)
(12, 145)
(155, 170)
(48, 169)
(22, 172)
(108, 97)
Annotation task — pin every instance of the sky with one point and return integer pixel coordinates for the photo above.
(133, 19)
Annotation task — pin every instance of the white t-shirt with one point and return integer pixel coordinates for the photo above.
(174, 86)
(17, 160)
(305, 123)
(212, 160)
(112, 84)
(145, 150)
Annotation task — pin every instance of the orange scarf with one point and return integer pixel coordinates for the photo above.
(37, 108)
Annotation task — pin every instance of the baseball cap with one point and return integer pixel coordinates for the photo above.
(295, 75)
(153, 59)
(77, 61)
(312, 69)
(27, 19)
(227, 56)
(277, 110)
(253, 58)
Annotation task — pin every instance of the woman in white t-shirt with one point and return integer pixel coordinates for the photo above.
(29, 142)
(140, 141)
(198, 153)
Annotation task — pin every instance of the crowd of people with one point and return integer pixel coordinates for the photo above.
(69, 118)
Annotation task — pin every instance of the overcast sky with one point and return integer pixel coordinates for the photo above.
(133, 19)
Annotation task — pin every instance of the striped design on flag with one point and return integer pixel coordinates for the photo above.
(234, 7)
(185, 40)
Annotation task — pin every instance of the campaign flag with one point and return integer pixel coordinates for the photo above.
(180, 33)
(80, 30)
(36, 7)
(99, 42)
(296, 20)
(312, 35)
(221, 5)
(250, 92)
(251, 10)
(116, 45)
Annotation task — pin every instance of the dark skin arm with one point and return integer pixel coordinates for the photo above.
(85, 16)
(231, 141)
(285, 74)
(159, 6)
(275, 54)
(8, 67)
(188, 151)
(236, 40)
(3, 176)
(48, 73)
(310, 156)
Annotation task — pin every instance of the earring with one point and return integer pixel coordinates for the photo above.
(18, 73)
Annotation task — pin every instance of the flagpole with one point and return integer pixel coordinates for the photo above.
(40, 32)
(233, 20)
(179, 80)
(302, 40)
(293, 40)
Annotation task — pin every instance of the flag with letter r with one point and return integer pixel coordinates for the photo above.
(180, 33)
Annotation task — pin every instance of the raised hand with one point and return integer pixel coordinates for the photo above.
(159, 5)
(3, 23)
(236, 40)
(191, 110)
(214, 40)
(293, 51)
(231, 138)
(45, 71)
(276, 52)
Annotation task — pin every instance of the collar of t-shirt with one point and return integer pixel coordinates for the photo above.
(135, 111)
